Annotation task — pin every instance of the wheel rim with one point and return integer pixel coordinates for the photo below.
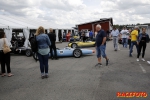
(77, 53)
(74, 45)
(28, 53)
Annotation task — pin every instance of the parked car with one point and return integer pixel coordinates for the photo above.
(81, 44)
(18, 47)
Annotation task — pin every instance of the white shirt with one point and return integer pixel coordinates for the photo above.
(2, 43)
(124, 33)
(87, 34)
(95, 34)
(115, 33)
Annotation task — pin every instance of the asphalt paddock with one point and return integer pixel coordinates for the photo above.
(77, 78)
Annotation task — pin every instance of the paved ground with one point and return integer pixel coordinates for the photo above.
(77, 78)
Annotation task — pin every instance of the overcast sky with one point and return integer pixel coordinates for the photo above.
(68, 13)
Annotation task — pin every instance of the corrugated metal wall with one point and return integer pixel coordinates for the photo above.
(105, 26)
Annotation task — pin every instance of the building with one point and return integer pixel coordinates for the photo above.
(106, 24)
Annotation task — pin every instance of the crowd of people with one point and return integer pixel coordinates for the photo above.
(131, 37)
(46, 44)
(85, 35)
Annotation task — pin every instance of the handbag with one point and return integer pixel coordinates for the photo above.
(6, 48)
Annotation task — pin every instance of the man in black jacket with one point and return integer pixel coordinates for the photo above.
(52, 37)
(60, 36)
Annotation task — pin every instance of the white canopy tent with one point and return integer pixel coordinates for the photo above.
(8, 23)
(26, 34)
(8, 33)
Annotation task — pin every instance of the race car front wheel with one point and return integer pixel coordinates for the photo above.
(77, 53)
(74, 45)
(28, 52)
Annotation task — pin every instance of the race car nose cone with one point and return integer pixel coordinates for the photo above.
(93, 51)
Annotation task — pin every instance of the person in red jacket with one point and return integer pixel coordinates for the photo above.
(68, 36)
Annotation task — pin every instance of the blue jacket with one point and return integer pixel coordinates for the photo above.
(141, 35)
(91, 34)
(43, 41)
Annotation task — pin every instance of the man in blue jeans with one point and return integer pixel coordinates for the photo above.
(101, 45)
(134, 39)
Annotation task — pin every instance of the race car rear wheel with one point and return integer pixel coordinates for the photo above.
(77, 53)
(28, 52)
(74, 45)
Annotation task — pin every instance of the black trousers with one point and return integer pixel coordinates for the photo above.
(84, 38)
(60, 39)
(53, 48)
(129, 42)
(142, 46)
(5, 60)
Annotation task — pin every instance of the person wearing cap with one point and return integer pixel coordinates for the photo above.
(115, 34)
(134, 40)
(124, 37)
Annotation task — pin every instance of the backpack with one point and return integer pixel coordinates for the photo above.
(34, 45)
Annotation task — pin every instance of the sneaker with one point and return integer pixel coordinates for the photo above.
(143, 59)
(148, 62)
(98, 64)
(130, 55)
(107, 62)
(56, 58)
(42, 76)
(46, 76)
(137, 59)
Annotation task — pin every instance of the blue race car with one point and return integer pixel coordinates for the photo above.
(67, 51)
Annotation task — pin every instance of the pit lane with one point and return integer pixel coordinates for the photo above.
(77, 78)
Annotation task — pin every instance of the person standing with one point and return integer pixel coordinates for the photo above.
(44, 43)
(68, 36)
(134, 37)
(115, 34)
(91, 35)
(101, 45)
(129, 38)
(4, 58)
(52, 37)
(59, 36)
(80, 34)
(143, 39)
(124, 37)
(87, 35)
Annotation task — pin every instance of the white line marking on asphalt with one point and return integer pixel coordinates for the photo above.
(144, 71)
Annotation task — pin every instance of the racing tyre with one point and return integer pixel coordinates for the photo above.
(28, 52)
(74, 45)
(77, 53)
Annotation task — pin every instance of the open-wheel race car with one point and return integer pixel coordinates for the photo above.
(81, 44)
(68, 52)
(17, 41)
